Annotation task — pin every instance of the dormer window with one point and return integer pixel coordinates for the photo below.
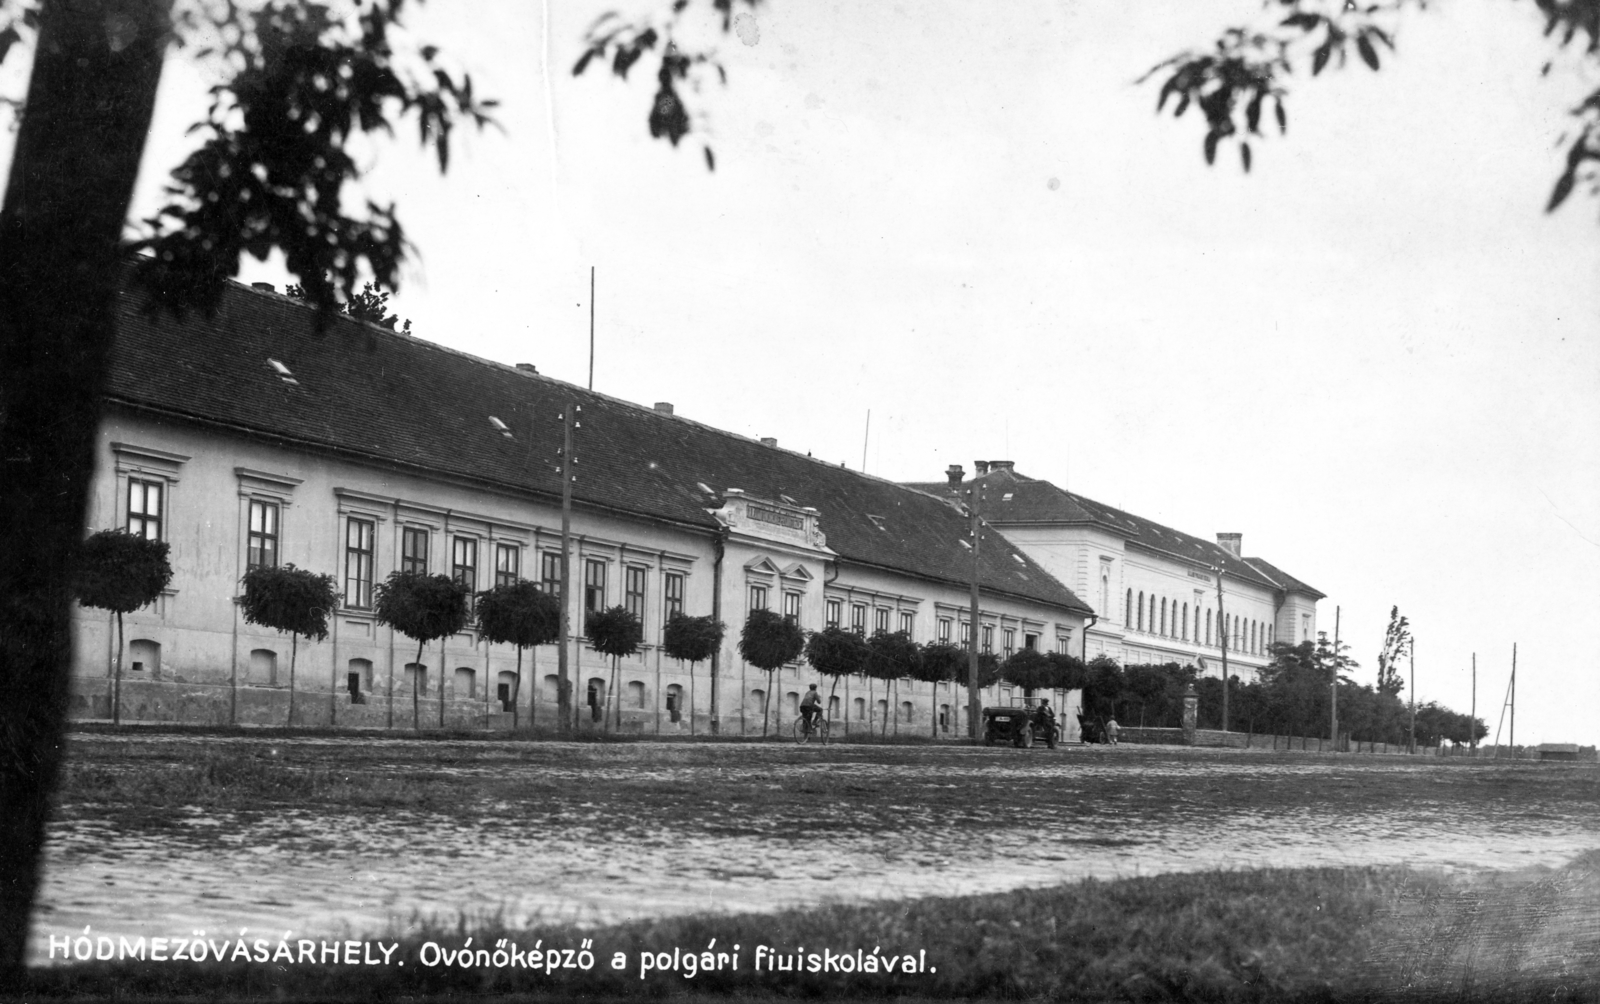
(501, 427)
(283, 371)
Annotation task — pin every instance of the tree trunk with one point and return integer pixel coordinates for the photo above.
(416, 689)
(116, 686)
(294, 649)
(72, 173)
(442, 671)
(516, 696)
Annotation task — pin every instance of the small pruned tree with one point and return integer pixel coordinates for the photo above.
(838, 653)
(692, 640)
(988, 676)
(1396, 644)
(615, 632)
(894, 657)
(290, 599)
(942, 662)
(522, 615)
(424, 608)
(120, 572)
(770, 641)
(1029, 669)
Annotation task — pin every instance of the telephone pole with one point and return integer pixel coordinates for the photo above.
(1472, 727)
(1222, 636)
(569, 475)
(1333, 704)
(1412, 651)
(974, 699)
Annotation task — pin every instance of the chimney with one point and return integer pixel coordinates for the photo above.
(954, 474)
(665, 407)
(980, 468)
(265, 287)
(768, 441)
(1233, 543)
(1000, 465)
(528, 368)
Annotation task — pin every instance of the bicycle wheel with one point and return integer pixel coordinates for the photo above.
(801, 734)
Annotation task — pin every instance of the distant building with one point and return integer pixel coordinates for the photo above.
(1154, 589)
(249, 437)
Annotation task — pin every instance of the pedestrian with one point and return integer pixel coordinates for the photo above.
(1112, 730)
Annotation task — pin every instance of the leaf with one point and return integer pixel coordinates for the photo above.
(583, 62)
(1319, 59)
(1252, 112)
(1562, 190)
(1369, 55)
(1211, 147)
(1281, 115)
(1244, 155)
(711, 161)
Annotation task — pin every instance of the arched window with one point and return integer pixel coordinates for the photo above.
(1152, 615)
(466, 683)
(1163, 616)
(674, 702)
(358, 679)
(597, 698)
(1186, 622)
(505, 689)
(791, 704)
(1127, 616)
(907, 711)
(1141, 610)
(636, 696)
(859, 708)
(416, 675)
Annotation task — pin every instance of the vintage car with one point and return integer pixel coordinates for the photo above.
(1019, 724)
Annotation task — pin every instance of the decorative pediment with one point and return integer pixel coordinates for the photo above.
(764, 519)
(798, 572)
(761, 565)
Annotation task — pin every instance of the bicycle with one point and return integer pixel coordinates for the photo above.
(803, 735)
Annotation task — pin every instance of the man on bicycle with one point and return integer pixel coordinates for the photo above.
(811, 707)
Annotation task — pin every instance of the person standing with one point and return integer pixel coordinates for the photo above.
(1112, 731)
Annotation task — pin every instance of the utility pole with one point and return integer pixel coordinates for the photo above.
(1333, 704)
(591, 327)
(974, 699)
(1472, 727)
(1513, 699)
(1412, 651)
(1222, 636)
(569, 422)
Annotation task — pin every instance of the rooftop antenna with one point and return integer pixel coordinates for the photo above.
(866, 437)
(591, 327)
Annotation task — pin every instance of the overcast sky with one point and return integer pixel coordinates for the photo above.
(1375, 356)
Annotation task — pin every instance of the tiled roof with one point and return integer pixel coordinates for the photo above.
(361, 390)
(1014, 498)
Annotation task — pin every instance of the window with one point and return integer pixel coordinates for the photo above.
(505, 690)
(358, 539)
(758, 597)
(466, 685)
(414, 550)
(672, 593)
(507, 564)
(1105, 586)
(858, 618)
(966, 633)
(1186, 622)
(594, 585)
(908, 620)
(1030, 641)
(880, 620)
(1064, 644)
(144, 508)
(550, 573)
(1208, 627)
(791, 607)
(944, 629)
(633, 591)
(1008, 641)
(1163, 629)
(988, 637)
(674, 702)
(1141, 612)
(263, 666)
(835, 613)
(262, 549)
(1152, 614)
(464, 565)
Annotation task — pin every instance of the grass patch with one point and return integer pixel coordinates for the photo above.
(1320, 934)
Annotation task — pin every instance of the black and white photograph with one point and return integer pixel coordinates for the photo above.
(745, 500)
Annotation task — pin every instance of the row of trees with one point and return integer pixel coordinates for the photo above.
(121, 572)
(1290, 697)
